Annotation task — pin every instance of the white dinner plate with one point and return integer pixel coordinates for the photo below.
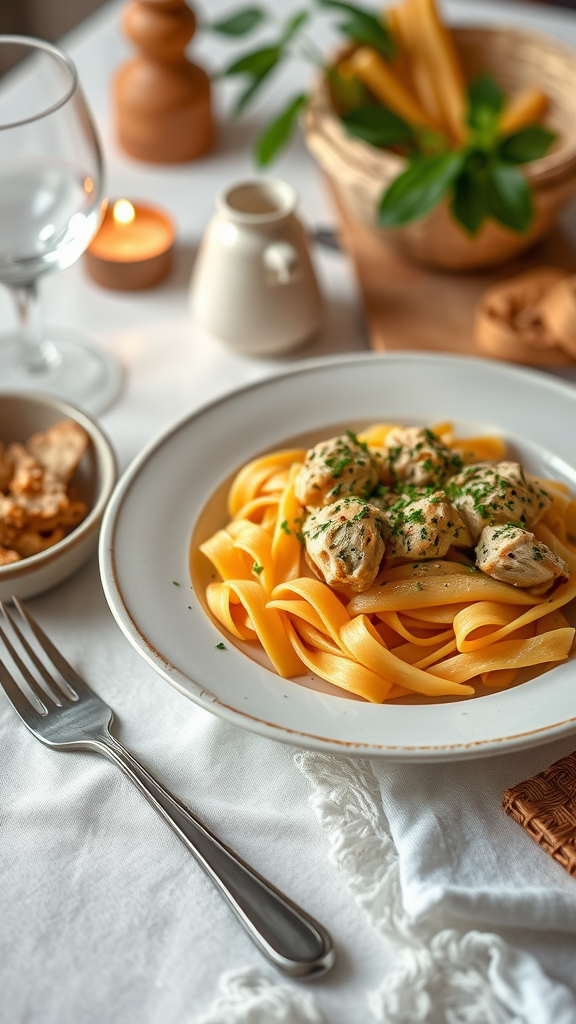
(177, 486)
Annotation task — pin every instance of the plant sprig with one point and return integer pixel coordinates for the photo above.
(480, 180)
(358, 24)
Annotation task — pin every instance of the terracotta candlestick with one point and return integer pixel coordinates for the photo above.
(162, 100)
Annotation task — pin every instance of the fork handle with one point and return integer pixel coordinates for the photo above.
(289, 937)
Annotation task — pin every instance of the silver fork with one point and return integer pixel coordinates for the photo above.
(65, 713)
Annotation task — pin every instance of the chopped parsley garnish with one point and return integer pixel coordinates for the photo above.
(176, 584)
(338, 465)
(220, 646)
(356, 440)
(284, 526)
(415, 516)
(257, 568)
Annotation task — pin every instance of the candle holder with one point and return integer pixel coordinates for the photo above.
(163, 106)
(133, 248)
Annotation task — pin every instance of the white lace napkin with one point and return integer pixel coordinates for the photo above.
(483, 919)
(483, 922)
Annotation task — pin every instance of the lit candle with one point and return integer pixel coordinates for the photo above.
(133, 248)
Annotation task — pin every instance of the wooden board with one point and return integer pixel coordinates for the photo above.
(410, 307)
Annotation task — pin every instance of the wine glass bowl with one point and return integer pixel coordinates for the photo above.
(52, 200)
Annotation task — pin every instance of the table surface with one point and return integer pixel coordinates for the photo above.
(171, 367)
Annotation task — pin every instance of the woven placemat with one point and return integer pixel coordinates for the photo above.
(545, 806)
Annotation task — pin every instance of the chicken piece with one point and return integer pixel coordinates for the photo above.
(486, 495)
(33, 520)
(73, 514)
(60, 448)
(513, 555)
(12, 515)
(424, 528)
(345, 543)
(8, 556)
(6, 469)
(40, 511)
(338, 468)
(32, 542)
(27, 472)
(418, 457)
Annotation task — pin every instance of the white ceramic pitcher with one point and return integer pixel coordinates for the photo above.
(253, 283)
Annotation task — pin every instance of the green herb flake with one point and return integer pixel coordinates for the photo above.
(220, 646)
(338, 465)
(415, 516)
(257, 569)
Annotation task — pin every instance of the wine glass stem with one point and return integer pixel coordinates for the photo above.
(36, 356)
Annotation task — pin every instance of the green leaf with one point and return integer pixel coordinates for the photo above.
(249, 91)
(526, 144)
(365, 29)
(419, 189)
(239, 24)
(256, 63)
(509, 197)
(363, 26)
(277, 134)
(485, 102)
(377, 125)
(293, 25)
(429, 140)
(469, 203)
(346, 93)
(484, 91)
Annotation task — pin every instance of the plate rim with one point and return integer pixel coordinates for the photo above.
(210, 702)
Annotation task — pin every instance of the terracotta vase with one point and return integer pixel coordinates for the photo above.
(162, 100)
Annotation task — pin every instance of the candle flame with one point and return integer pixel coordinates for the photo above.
(123, 212)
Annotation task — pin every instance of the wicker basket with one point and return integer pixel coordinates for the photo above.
(360, 172)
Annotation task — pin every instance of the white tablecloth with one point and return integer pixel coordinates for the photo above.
(103, 914)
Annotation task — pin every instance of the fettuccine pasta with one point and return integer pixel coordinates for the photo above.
(427, 624)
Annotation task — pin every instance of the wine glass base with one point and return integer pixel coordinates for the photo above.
(83, 373)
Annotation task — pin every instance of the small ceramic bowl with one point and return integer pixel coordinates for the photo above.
(22, 414)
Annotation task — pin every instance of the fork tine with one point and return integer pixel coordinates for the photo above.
(19, 699)
(58, 660)
(37, 690)
(48, 679)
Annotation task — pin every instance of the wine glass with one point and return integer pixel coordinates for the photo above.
(51, 203)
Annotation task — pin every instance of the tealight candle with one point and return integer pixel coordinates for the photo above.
(133, 248)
